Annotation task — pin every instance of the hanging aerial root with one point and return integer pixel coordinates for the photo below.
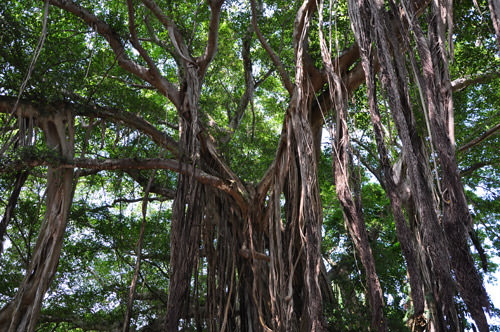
(21, 314)
(495, 19)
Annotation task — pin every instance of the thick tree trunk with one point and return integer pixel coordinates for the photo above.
(188, 206)
(22, 312)
(309, 216)
(184, 244)
(394, 79)
(456, 218)
(402, 230)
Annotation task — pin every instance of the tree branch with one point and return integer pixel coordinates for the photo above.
(213, 35)
(174, 34)
(247, 96)
(162, 84)
(461, 83)
(274, 57)
(136, 44)
(476, 166)
(160, 43)
(155, 187)
(481, 138)
(29, 109)
(134, 164)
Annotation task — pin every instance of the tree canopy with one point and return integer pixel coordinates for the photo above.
(251, 165)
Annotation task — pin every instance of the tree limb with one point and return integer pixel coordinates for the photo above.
(136, 164)
(21, 178)
(481, 138)
(155, 187)
(137, 45)
(247, 96)
(213, 35)
(29, 109)
(161, 83)
(476, 166)
(274, 57)
(461, 83)
(173, 32)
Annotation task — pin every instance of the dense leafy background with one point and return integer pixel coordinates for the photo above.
(91, 287)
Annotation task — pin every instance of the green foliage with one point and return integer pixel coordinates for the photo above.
(77, 66)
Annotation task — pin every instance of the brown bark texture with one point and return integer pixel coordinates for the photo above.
(259, 245)
(362, 33)
(22, 312)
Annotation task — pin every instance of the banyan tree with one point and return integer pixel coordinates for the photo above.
(248, 165)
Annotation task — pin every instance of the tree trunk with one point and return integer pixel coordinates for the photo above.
(456, 218)
(188, 206)
(354, 220)
(402, 230)
(351, 206)
(22, 312)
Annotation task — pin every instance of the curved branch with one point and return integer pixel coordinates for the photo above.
(21, 178)
(274, 57)
(461, 83)
(235, 120)
(480, 139)
(162, 84)
(476, 166)
(135, 41)
(213, 35)
(173, 32)
(155, 187)
(127, 164)
(29, 109)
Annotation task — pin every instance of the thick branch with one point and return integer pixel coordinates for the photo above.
(213, 34)
(461, 83)
(21, 178)
(162, 84)
(155, 187)
(477, 166)
(31, 110)
(173, 32)
(136, 164)
(137, 45)
(247, 96)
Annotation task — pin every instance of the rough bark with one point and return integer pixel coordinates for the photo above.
(187, 209)
(271, 267)
(393, 79)
(354, 219)
(22, 312)
(402, 229)
(403, 232)
(456, 217)
(353, 214)
(309, 214)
